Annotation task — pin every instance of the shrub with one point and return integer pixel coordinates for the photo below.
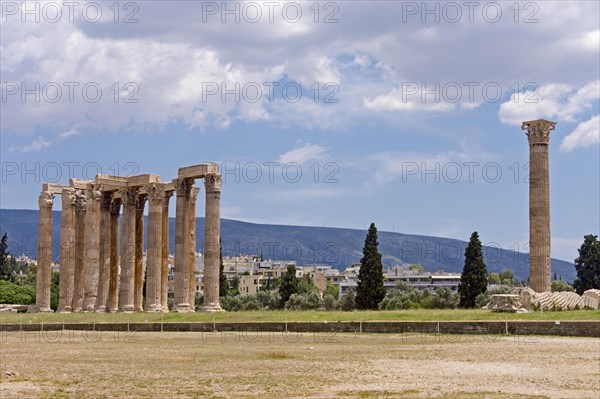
(560, 285)
(330, 303)
(16, 294)
(269, 299)
(307, 301)
(442, 298)
(347, 302)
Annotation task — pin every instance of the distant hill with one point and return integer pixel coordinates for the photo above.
(306, 245)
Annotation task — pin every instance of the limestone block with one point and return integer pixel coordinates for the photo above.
(526, 294)
(504, 303)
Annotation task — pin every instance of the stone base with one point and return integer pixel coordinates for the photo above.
(127, 309)
(100, 309)
(211, 308)
(183, 308)
(35, 309)
(504, 303)
(154, 309)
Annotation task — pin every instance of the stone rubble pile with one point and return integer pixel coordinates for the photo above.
(557, 300)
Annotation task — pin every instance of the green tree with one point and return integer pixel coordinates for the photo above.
(235, 286)
(506, 277)
(473, 280)
(333, 290)
(223, 283)
(493, 278)
(289, 284)
(370, 290)
(348, 300)
(559, 285)
(306, 285)
(587, 265)
(6, 270)
(419, 269)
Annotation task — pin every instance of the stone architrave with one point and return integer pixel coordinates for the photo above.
(44, 253)
(154, 254)
(80, 222)
(212, 234)
(164, 275)
(67, 250)
(139, 253)
(127, 284)
(538, 135)
(104, 259)
(91, 266)
(112, 298)
(183, 188)
(191, 263)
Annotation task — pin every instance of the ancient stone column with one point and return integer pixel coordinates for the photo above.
(44, 253)
(80, 238)
(154, 254)
(139, 253)
(183, 188)
(212, 233)
(91, 266)
(112, 298)
(67, 250)
(104, 261)
(127, 284)
(164, 274)
(191, 263)
(538, 134)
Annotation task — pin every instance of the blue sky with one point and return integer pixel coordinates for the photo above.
(392, 113)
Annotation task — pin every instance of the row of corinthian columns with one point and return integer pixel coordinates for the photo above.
(101, 265)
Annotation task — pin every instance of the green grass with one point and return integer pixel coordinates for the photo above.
(304, 316)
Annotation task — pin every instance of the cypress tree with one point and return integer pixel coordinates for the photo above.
(473, 279)
(223, 283)
(289, 284)
(370, 290)
(587, 265)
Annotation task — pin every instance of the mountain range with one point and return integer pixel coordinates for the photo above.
(337, 247)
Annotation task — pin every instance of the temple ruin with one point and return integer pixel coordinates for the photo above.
(101, 265)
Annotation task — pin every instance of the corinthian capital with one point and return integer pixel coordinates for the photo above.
(212, 182)
(538, 131)
(183, 185)
(69, 197)
(129, 195)
(46, 199)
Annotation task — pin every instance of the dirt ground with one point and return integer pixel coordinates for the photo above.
(275, 365)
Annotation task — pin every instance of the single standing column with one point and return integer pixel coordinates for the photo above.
(78, 288)
(67, 250)
(164, 274)
(538, 134)
(212, 233)
(191, 265)
(182, 241)
(127, 285)
(112, 298)
(91, 264)
(104, 261)
(154, 254)
(139, 252)
(44, 256)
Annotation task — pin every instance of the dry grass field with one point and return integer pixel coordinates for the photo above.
(71, 364)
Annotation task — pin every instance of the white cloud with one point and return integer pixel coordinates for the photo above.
(69, 133)
(585, 135)
(37, 145)
(305, 154)
(559, 102)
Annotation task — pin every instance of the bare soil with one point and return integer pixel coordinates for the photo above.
(76, 364)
